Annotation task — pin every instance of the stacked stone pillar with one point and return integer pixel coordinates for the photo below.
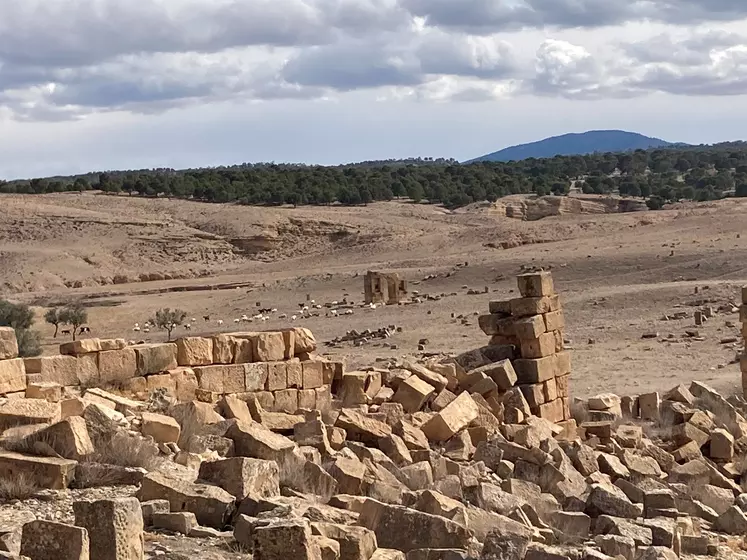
(533, 324)
(743, 357)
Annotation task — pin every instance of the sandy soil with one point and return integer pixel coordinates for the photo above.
(619, 274)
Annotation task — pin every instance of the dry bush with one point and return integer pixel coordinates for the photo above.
(17, 487)
(127, 451)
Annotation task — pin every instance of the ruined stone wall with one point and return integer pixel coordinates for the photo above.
(382, 287)
(276, 368)
(743, 318)
(532, 327)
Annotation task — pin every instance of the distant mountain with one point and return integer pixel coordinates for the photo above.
(577, 144)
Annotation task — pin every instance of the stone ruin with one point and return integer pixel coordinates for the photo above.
(282, 453)
(387, 288)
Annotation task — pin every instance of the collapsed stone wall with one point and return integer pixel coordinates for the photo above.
(380, 287)
(276, 368)
(743, 319)
(529, 331)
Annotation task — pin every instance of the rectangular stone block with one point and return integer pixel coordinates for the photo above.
(455, 417)
(563, 385)
(82, 346)
(523, 307)
(529, 328)
(186, 383)
(534, 394)
(540, 347)
(494, 324)
(46, 472)
(266, 399)
(194, 351)
(8, 343)
(566, 408)
(268, 347)
(286, 401)
(289, 340)
(161, 381)
(243, 351)
(55, 369)
(112, 343)
(294, 375)
(116, 366)
(535, 284)
(551, 411)
(277, 376)
(313, 374)
(562, 363)
(115, 527)
(536, 370)
(210, 378)
(12, 376)
(307, 399)
(88, 369)
(323, 398)
(554, 321)
(223, 349)
(331, 371)
(155, 358)
(49, 540)
(559, 341)
(550, 389)
(502, 307)
(136, 385)
(234, 378)
(256, 376)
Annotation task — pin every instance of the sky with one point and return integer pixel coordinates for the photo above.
(91, 85)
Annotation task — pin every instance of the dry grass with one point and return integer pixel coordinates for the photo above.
(17, 487)
(127, 451)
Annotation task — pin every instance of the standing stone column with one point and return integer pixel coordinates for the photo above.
(115, 528)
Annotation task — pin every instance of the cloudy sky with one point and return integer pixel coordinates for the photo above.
(110, 84)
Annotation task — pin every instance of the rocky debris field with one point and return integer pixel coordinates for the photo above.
(461, 457)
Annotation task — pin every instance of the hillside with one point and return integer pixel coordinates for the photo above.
(594, 141)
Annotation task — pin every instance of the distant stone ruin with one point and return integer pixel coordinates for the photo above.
(383, 287)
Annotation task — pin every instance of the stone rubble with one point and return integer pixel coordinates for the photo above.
(253, 439)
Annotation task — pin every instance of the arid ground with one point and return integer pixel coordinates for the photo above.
(619, 274)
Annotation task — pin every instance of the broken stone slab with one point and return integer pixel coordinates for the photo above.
(212, 505)
(12, 376)
(609, 500)
(256, 441)
(182, 522)
(356, 543)
(436, 380)
(44, 472)
(608, 525)
(115, 527)
(163, 429)
(452, 419)
(360, 427)
(243, 477)
(501, 544)
(8, 343)
(283, 540)
(413, 393)
(21, 412)
(152, 507)
(733, 522)
(48, 540)
(406, 529)
(615, 545)
(121, 404)
(69, 438)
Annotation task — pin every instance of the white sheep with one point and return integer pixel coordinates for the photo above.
(146, 330)
(273, 310)
(348, 312)
(293, 317)
(136, 329)
(188, 326)
(237, 321)
(333, 313)
(220, 322)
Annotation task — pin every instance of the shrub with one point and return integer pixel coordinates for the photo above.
(29, 343)
(17, 487)
(21, 317)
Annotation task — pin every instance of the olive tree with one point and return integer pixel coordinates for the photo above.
(168, 319)
(75, 316)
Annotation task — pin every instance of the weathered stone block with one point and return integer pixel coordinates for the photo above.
(523, 307)
(535, 284)
(536, 370)
(540, 347)
(69, 438)
(413, 393)
(268, 347)
(163, 429)
(12, 376)
(8, 343)
(312, 375)
(283, 540)
(455, 417)
(243, 350)
(115, 527)
(277, 378)
(45, 472)
(82, 346)
(294, 375)
(116, 366)
(155, 358)
(529, 328)
(47, 540)
(194, 351)
(286, 401)
(223, 349)
(243, 477)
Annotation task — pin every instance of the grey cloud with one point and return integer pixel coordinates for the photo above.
(489, 16)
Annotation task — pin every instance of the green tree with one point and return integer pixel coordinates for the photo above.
(74, 315)
(21, 318)
(415, 191)
(168, 319)
(655, 203)
(52, 316)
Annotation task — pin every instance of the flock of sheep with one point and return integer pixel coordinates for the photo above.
(306, 310)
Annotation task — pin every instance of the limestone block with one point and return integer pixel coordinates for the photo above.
(210, 378)
(163, 429)
(534, 394)
(234, 378)
(223, 349)
(562, 385)
(69, 438)
(243, 477)
(722, 445)
(313, 377)
(211, 505)
(8, 343)
(186, 383)
(232, 407)
(256, 376)
(536, 370)
(45, 472)
(268, 347)
(304, 341)
(550, 390)
(243, 351)
(452, 419)
(277, 378)
(289, 340)
(495, 324)
(554, 322)
(51, 392)
(323, 398)
(524, 307)
(79, 347)
(307, 399)
(552, 411)
(48, 540)
(160, 381)
(116, 366)
(294, 375)
(562, 363)
(535, 284)
(115, 527)
(286, 401)
(502, 373)
(88, 369)
(540, 347)
(112, 343)
(413, 393)
(73, 406)
(12, 376)
(56, 369)
(285, 539)
(529, 328)
(155, 358)
(180, 522)
(649, 406)
(28, 411)
(194, 351)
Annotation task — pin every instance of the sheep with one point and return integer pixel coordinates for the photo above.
(188, 326)
(146, 330)
(207, 318)
(220, 322)
(283, 316)
(333, 313)
(193, 320)
(293, 317)
(273, 310)
(348, 312)
(244, 318)
(135, 329)
(237, 321)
